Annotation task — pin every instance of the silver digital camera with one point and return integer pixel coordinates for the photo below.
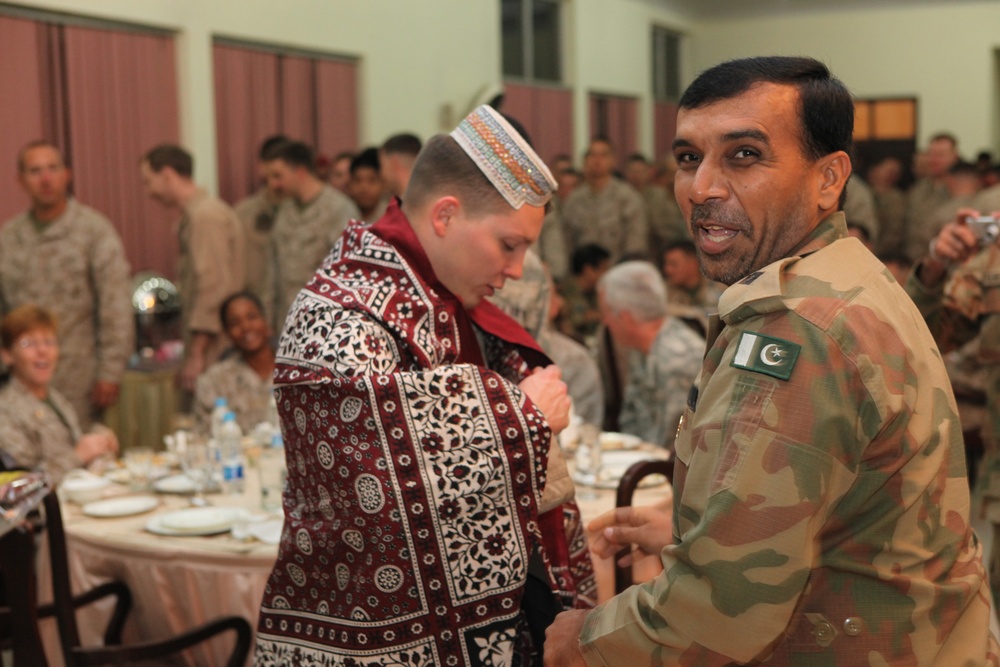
(985, 227)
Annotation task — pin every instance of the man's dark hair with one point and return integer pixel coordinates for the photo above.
(292, 153)
(591, 255)
(266, 145)
(825, 105)
(366, 159)
(170, 155)
(945, 136)
(637, 157)
(963, 168)
(684, 245)
(402, 144)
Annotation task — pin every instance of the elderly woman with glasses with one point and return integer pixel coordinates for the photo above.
(38, 427)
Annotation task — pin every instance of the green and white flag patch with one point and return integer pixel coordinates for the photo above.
(767, 355)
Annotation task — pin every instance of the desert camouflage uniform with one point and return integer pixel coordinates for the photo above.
(256, 214)
(614, 218)
(38, 434)
(74, 267)
(821, 506)
(921, 202)
(659, 382)
(704, 297)
(890, 207)
(301, 238)
(666, 222)
(247, 395)
(963, 306)
(211, 266)
(859, 208)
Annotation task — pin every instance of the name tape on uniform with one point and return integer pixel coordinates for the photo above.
(767, 355)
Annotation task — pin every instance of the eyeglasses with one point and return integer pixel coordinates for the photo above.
(32, 343)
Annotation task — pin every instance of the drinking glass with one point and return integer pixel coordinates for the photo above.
(198, 463)
(139, 463)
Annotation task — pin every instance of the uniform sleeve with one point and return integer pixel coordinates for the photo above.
(115, 320)
(746, 539)
(635, 222)
(218, 271)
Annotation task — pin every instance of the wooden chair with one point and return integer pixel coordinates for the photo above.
(17, 555)
(626, 489)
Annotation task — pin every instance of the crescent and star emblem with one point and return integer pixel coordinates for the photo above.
(772, 355)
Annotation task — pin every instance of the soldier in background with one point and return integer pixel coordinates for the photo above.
(211, 254)
(396, 157)
(821, 502)
(309, 222)
(256, 214)
(68, 258)
(666, 224)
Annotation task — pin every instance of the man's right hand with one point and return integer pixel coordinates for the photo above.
(954, 244)
(649, 528)
(548, 392)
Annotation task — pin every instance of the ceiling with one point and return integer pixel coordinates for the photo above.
(726, 9)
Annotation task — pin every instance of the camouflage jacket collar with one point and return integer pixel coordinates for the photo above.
(763, 290)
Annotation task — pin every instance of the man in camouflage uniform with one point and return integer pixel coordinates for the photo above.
(68, 258)
(603, 209)
(821, 508)
(308, 223)
(256, 214)
(664, 353)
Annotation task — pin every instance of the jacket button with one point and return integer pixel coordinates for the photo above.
(824, 633)
(852, 626)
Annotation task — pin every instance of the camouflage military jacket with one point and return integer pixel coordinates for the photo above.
(74, 267)
(246, 394)
(658, 383)
(302, 236)
(33, 433)
(614, 218)
(821, 502)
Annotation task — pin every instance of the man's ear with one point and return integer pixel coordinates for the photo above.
(834, 170)
(6, 358)
(443, 211)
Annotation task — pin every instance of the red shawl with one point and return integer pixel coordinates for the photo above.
(415, 465)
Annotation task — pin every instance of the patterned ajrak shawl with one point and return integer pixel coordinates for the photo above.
(415, 466)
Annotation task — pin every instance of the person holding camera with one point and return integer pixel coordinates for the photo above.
(957, 289)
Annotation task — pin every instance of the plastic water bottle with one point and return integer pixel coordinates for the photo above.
(231, 449)
(218, 414)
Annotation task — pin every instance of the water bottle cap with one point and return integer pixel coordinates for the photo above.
(220, 401)
(229, 417)
(277, 441)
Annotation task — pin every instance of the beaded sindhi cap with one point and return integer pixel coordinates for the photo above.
(505, 158)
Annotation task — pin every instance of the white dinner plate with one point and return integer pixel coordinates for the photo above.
(122, 506)
(612, 440)
(194, 521)
(180, 484)
(614, 464)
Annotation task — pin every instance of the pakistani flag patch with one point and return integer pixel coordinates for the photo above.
(767, 355)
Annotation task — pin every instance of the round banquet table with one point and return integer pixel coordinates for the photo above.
(176, 582)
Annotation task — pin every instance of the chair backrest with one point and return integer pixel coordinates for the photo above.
(17, 553)
(626, 489)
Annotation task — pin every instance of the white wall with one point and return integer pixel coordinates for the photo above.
(944, 56)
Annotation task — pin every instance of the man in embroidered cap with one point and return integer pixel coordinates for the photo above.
(419, 420)
(821, 506)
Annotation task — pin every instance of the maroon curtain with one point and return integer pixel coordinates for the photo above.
(246, 107)
(122, 96)
(664, 127)
(259, 93)
(24, 116)
(336, 106)
(547, 115)
(104, 97)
